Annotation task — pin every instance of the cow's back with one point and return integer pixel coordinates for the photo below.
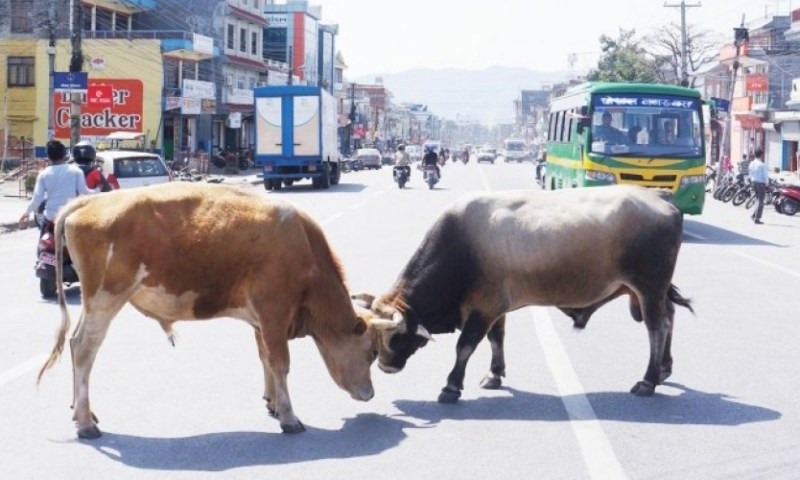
(219, 245)
(551, 246)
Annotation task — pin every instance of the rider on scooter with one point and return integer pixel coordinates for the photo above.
(403, 160)
(85, 155)
(60, 183)
(431, 158)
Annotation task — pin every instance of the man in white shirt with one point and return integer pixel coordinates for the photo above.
(759, 177)
(58, 184)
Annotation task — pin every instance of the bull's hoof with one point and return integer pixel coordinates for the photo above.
(491, 382)
(664, 374)
(643, 389)
(294, 428)
(449, 396)
(89, 433)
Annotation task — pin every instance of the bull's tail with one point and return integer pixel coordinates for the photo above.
(65, 321)
(675, 297)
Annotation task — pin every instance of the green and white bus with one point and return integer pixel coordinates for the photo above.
(640, 134)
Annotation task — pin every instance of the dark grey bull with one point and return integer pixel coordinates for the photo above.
(573, 249)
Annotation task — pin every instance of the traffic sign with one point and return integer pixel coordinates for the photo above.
(722, 104)
(70, 81)
(100, 95)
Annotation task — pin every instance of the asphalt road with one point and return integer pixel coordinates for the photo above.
(730, 410)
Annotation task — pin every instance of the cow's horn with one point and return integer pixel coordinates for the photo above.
(363, 300)
(423, 332)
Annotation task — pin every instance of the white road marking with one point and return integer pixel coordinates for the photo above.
(694, 235)
(485, 181)
(22, 369)
(358, 205)
(600, 459)
(332, 218)
(781, 268)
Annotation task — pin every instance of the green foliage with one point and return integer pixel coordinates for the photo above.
(623, 60)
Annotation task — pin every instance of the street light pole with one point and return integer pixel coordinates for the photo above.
(75, 65)
(51, 61)
(741, 36)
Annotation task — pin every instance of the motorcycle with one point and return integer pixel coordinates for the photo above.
(788, 200)
(431, 176)
(401, 175)
(46, 264)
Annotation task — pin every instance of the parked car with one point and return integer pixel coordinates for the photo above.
(369, 157)
(486, 155)
(130, 169)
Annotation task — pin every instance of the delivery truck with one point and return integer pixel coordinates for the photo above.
(296, 136)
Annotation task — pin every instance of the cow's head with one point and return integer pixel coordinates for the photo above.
(398, 338)
(350, 354)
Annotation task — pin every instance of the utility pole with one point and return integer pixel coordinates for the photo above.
(291, 67)
(684, 42)
(352, 118)
(75, 65)
(51, 61)
(740, 36)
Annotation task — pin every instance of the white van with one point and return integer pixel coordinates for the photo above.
(515, 150)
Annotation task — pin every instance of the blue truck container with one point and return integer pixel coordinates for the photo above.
(296, 136)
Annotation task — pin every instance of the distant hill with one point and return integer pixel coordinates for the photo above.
(484, 95)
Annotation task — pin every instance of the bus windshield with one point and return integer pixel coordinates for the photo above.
(646, 125)
(515, 145)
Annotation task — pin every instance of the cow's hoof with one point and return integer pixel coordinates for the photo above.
(491, 382)
(449, 396)
(272, 412)
(294, 428)
(643, 389)
(89, 433)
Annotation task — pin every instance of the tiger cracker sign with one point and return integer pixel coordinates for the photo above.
(124, 114)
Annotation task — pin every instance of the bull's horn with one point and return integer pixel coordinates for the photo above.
(382, 323)
(364, 300)
(423, 332)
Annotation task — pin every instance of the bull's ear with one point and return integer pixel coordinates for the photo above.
(363, 300)
(361, 327)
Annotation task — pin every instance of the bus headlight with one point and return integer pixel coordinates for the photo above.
(692, 179)
(597, 176)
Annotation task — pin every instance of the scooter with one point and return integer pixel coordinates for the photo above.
(431, 176)
(46, 264)
(788, 201)
(401, 175)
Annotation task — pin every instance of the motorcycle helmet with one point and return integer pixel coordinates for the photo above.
(428, 149)
(84, 153)
(401, 147)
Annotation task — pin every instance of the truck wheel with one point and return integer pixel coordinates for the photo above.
(336, 174)
(325, 179)
(267, 184)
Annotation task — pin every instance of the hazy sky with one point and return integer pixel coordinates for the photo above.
(377, 36)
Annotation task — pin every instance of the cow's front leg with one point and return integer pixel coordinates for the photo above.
(493, 379)
(269, 381)
(657, 329)
(474, 330)
(277, 350)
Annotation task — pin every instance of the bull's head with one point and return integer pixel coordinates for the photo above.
(398, 338)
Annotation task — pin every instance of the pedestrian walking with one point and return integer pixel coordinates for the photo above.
(759, 177)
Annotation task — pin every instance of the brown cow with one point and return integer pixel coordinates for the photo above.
(195, 252)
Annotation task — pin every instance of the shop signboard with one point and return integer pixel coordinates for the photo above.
(124, 113)
(757, 82)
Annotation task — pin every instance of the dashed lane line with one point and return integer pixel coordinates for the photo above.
(601, 461)
(21, 369)
(781, 268)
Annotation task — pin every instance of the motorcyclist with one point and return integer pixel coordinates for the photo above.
(431, 158)
(84, 156)
(403, 160)
(60, 183)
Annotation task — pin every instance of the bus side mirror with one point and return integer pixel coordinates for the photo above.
(585, 120)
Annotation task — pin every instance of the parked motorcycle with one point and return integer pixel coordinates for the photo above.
(401, 174)
(46, 264)
(431, 176)
(788, 201)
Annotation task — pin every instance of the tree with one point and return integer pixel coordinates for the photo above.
(664, 45)
(623, 60)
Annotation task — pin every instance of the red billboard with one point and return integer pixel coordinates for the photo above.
(123, 114)
(100, 95)
(757, 82)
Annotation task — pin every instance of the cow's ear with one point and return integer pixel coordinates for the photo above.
(361, 327)
(363, 300)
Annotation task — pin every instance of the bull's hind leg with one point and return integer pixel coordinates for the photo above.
(474, 330)
(666, 362)
(657, 330)
(269, 382)
(493, 380)
(84, 345)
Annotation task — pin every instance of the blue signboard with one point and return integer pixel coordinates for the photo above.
(70, 81)
(634, 100)
(722, 104)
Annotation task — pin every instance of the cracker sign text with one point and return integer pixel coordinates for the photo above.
(125, 114)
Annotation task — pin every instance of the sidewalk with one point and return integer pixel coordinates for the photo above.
(12, 206)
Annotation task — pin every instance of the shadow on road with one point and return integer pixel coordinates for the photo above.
(691, 407)
(363, 435)
(343, 187)
(712, 235)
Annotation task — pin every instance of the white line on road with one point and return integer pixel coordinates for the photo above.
(768, 264)
(694, 235)
(358, 205)
(595, 447)
(22, 369)
(332, 218)
(485, 181)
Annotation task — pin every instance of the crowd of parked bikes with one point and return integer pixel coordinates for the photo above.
(736, 188)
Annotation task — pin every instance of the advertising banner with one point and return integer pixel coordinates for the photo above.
(123, 114)
(757, 82)
(100, 95)
(199, 89)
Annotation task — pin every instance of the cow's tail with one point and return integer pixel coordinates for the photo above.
(675, 297)
(65, 321)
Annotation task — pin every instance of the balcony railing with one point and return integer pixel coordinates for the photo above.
(138, 34)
